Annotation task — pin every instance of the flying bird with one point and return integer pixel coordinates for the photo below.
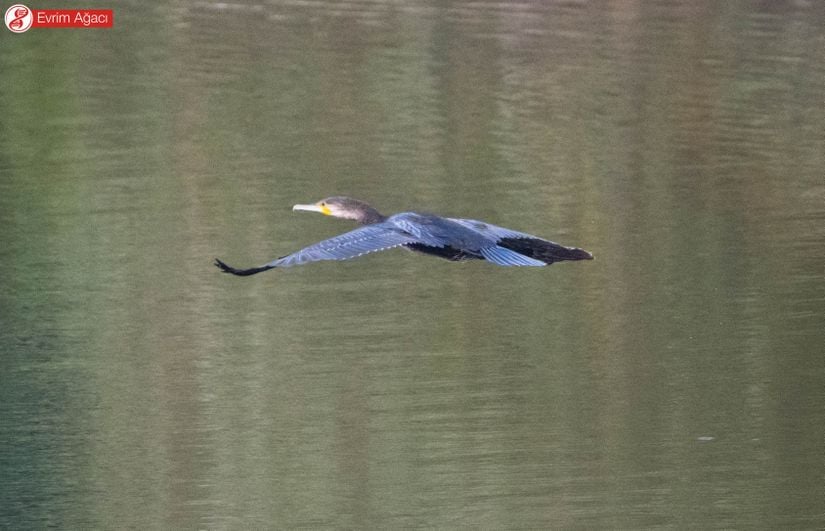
(449, 238)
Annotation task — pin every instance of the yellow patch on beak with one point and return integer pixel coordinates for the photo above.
(317, 207)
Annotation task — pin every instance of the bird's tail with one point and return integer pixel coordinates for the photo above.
(546, 251)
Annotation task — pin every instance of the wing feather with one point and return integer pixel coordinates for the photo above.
(527, 245)
(426, 228)
(492, 231)
(505, 257)
(363, 240)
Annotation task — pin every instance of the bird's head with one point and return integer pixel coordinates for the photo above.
(344, 208)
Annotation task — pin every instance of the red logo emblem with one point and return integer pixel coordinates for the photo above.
(19, 18)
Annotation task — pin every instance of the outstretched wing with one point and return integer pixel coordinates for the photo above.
(363, 240)
(527, 245)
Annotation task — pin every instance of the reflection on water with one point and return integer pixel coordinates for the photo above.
(674, 381)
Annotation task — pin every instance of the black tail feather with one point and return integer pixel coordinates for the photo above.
(547, 252)
(240, 272)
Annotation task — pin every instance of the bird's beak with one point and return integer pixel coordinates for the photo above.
(323, 209)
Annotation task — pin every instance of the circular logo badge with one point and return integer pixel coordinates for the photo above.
(19, 18)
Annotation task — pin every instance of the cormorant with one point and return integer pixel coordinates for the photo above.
(450, 238)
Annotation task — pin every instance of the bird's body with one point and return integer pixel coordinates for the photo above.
(450, 238)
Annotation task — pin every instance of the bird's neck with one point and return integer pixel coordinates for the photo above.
(370, 216)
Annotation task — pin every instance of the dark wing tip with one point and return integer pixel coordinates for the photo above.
(546, 251)
(574, 253)
(583, 255)
(240, 272)
(223, 267)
